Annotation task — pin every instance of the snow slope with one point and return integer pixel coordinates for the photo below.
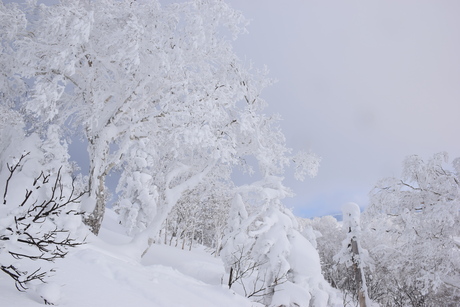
(101, 273)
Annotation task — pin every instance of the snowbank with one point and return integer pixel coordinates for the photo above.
(102, 274)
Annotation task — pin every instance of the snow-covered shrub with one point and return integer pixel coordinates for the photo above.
(39, 221)
(265, 254)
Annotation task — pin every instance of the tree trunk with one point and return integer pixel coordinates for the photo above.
(172, 195)
(166, 231)
(191, 237)
(94, 220)
(230, 277)
(98, 171)
(358, 275)
(218, 240)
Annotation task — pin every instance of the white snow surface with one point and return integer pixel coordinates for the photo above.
(101, 273)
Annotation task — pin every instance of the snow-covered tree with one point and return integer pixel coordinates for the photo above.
(237, 243)
(412, 226)
(138, 70)
(159, 95)
(329, 242)
(353, 256)
(215, 215)
(270, 260)
(155, 90)
(13, 24)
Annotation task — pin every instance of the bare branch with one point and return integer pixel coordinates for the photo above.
(44, 245)
(12, 169)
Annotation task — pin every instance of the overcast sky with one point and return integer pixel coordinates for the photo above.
(361, 83)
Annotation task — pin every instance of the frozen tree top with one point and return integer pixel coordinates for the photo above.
(351, 209)
(351, 214)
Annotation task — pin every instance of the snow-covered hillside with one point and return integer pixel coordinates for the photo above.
(101, 273)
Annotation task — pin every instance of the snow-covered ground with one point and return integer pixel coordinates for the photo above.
(101, 273)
